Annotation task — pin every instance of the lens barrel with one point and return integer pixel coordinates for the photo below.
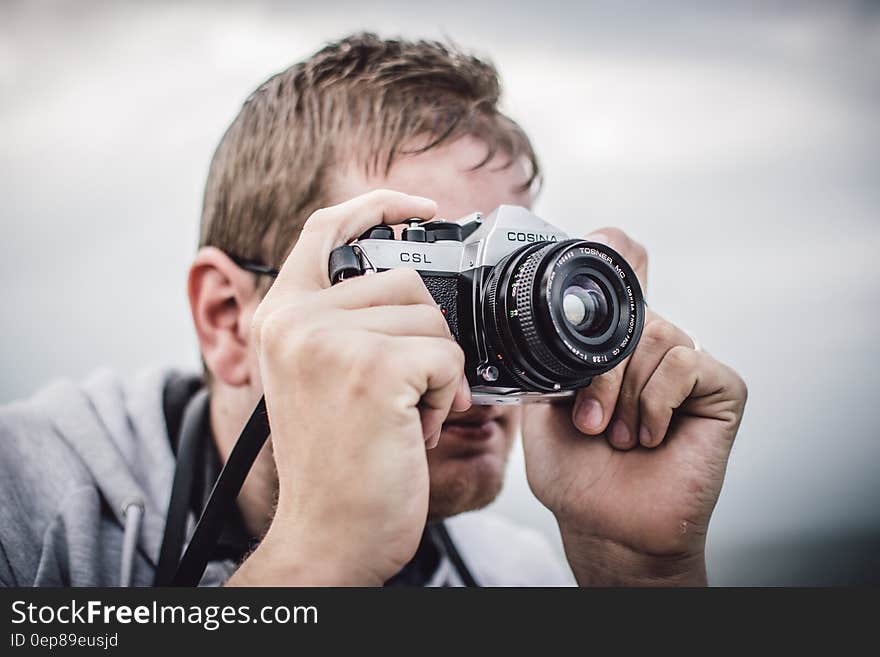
(559, 313)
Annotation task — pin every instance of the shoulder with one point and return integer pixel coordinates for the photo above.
(39, 473)
(503, 553)
(108, 431)
(36, 462)
(79, 449)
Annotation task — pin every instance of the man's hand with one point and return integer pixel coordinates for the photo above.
(358, 379)
(632, 470)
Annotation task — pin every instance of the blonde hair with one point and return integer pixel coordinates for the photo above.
(361, 99)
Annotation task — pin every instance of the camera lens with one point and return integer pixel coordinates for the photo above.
(560, 313)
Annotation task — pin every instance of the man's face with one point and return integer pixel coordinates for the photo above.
(467, 467)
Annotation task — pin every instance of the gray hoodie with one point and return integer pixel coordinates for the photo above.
(85, 478)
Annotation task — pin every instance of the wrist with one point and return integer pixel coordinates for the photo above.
(292, 558)
(598, 561)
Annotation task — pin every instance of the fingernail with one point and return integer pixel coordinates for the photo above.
(466, 394)
(602, 238)
(645, 436)
(620, 434)
(445, 323)
(589, 414)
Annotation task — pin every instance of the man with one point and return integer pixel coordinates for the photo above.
(373, 434)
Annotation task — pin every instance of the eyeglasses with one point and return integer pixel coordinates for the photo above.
(253, 266)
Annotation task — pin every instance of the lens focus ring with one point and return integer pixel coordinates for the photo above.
(523, 291)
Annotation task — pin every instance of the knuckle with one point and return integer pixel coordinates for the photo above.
(364, 367)
(630, 249)
(317, 219)
(429, 319)
(409, 277)
(638, 251)
(681, 358)
(652, 405)
(298, 347)
(616, 235)
(307, 344)
(381, 195)
(409, 280)
(434, 320)
(455, 360)
(368, 358)
(661, 333)
(448, 356)
(457, 355)
(269, 329)
(740, 388)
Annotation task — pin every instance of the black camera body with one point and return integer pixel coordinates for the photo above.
(537, 314)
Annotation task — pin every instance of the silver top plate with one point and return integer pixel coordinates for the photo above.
(506, 229)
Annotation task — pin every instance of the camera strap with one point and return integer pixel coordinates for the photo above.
(439, 531)
(210, 525)
(190, 446)
(174, 570)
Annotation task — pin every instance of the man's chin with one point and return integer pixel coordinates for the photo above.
(467, 483)
(467, 466)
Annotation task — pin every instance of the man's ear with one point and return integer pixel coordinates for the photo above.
(222, 298)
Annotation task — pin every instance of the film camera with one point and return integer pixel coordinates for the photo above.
(537, 314)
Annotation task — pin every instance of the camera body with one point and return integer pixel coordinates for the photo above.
(537, 314)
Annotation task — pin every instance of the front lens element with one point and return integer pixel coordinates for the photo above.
(576, 307)
(585, 305)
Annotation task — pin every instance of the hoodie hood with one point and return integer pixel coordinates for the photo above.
(118, 430)
(77, 464)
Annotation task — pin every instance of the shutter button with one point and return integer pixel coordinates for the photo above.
(415, 232)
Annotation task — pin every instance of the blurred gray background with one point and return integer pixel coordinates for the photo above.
(739, 141)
